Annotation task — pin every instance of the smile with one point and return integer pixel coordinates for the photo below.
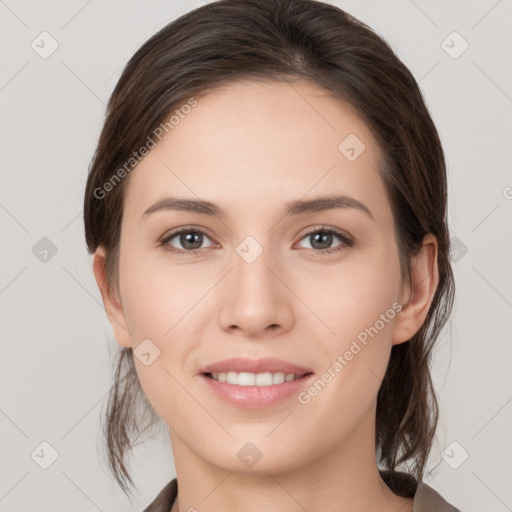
(254, 379)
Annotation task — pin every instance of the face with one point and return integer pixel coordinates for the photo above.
(273, 275)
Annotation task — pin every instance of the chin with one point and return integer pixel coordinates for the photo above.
(254, 459)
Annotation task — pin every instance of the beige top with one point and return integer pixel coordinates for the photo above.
(426, 499)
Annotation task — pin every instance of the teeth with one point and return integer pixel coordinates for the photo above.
(254, 379)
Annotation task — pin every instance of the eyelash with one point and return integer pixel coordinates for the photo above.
(347, 241)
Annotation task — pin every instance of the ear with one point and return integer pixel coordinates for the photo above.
(417, 296)
(111, 302)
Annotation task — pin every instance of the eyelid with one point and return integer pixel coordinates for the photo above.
(326, 228)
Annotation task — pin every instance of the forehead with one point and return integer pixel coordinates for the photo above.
(251, 142)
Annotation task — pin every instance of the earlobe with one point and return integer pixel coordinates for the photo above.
(112, 304)
(417, 300)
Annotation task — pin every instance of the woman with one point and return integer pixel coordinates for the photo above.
(267, 212)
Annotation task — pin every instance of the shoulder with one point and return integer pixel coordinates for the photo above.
(426, 499)
(165, 498)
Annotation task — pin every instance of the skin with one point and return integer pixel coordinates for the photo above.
(251, 148)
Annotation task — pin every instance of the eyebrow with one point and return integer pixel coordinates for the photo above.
(296, 207)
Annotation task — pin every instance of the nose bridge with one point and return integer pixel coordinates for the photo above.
(255, 298)
(254, 283)
(251, 272)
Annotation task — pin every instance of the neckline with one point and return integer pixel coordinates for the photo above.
(402, 484)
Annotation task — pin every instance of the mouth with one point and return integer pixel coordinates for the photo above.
(255, 384)
(264, 379)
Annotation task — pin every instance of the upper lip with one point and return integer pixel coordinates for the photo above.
(242, 364)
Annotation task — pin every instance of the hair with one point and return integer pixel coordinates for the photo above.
(284, 41)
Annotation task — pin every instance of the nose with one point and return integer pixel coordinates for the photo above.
(255, 299)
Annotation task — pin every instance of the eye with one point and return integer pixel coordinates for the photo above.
(322, 239)
(190, 240)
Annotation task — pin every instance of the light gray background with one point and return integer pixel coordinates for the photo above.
(55, 340)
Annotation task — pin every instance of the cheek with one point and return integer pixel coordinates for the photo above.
(159, 306)
(353, 297)
(157, 298)
(360, 307)
(163, 309)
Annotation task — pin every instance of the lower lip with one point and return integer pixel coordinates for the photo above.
(256, 397)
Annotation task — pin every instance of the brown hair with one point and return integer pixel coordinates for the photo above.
(287, 40)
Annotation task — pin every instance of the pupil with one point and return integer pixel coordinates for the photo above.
(327, 239)
(191, 240)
